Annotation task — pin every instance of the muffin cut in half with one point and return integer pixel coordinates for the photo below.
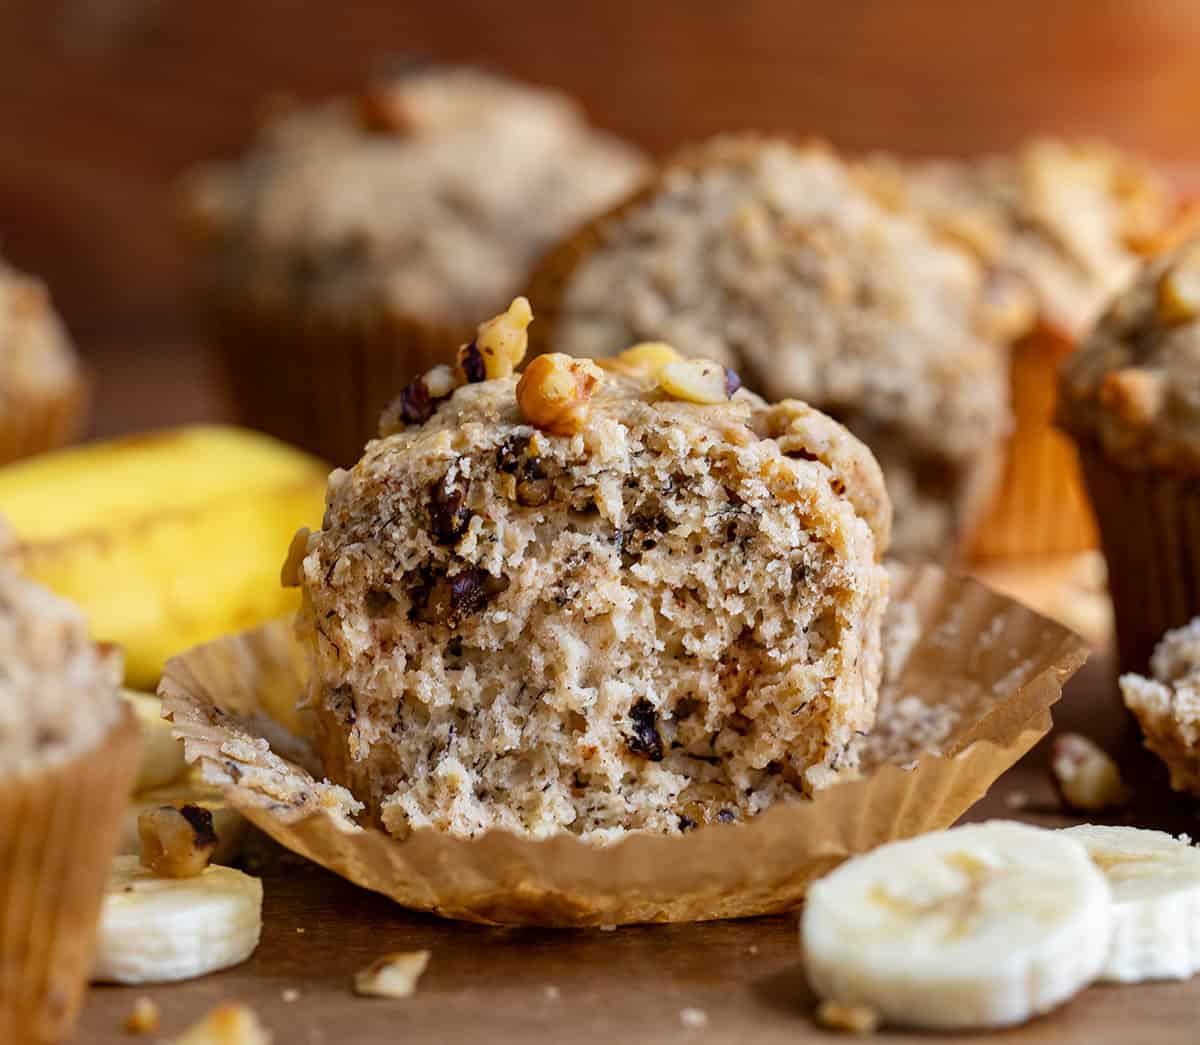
(656, 605)
(770, 258)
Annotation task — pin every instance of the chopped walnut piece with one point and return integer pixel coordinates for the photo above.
(848, 1018)
(647, 358)
(143, 1017)
(1134, 395)
(228, 1024)
(177, 840)
(1085, 776)
(499, 346)
(555, 392)
(392, 976)
(289, 572)
(699, 381)
(1179, 288)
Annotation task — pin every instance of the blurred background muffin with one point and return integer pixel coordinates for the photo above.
(41, 386)
(68, 754)
(1066, 223)
(770, 259)
(1131, 400)
(362, 240)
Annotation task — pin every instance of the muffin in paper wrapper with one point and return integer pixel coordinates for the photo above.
(59, 826)
(319, 379)
(1039, 508)
(972, 677)
(47, 424)
(1150, 532)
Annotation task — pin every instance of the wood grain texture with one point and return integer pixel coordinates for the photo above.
(628, 985)
(104, 102)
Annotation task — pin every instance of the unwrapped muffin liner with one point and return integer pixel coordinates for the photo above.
(47, 424)
(972, 679)
(320, 379)
(1150, 532)
(1040, 508)
(58, 831)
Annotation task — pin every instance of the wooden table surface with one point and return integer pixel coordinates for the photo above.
(631, 984)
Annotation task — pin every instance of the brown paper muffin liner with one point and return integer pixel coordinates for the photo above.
(320, 380)
(45, 425)
(1040, 508)
(1150, 533)
(58, 831)
(973, 677)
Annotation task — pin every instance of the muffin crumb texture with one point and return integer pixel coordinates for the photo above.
(1167, 704)
(58, 689)
(668, 615)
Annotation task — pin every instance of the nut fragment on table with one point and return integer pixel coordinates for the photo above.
(555, 392)
(177, 840)
(1085, 776)
(847, 1018)
(143, 1017)
(699, 381)
(392, 976)
(230, 1023)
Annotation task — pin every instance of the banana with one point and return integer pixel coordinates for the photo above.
(975, 927)
(166, 540)
(228, 823)
(162, 755)
(158, 930)
(1155, 883)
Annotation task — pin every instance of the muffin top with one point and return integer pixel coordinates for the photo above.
(768, 257)
(1068, 219)
(36, 359)
(58, 689)
(1134, 387)
(428, 196)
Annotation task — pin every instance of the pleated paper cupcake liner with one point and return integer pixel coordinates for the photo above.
(1040, 508)
(985, 668)
(58, 831)
(1150, 533)
(45, 425)
(320, 381)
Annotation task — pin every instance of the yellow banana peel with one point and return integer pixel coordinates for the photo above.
(167, 539)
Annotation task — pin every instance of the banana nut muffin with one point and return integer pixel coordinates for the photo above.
(594, 600)
(1167, 704)
(68, 754)
(768, 257)
(40, 379)
(1060, 228)
(1130, 397)
(381, 227)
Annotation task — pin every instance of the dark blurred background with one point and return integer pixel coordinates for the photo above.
(104, 102)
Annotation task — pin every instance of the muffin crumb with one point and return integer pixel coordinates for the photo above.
(1085, 776)
(230, 1023)
(693, 1019)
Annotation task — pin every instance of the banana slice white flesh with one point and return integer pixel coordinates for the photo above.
(979, 926)
(1155, 883)
(228, 823)
(162, 755)
(157, 930)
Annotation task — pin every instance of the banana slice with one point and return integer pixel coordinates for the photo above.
(157, 930)
(228, 823)
(1155, 883)
(162, 755)
(979, 926)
